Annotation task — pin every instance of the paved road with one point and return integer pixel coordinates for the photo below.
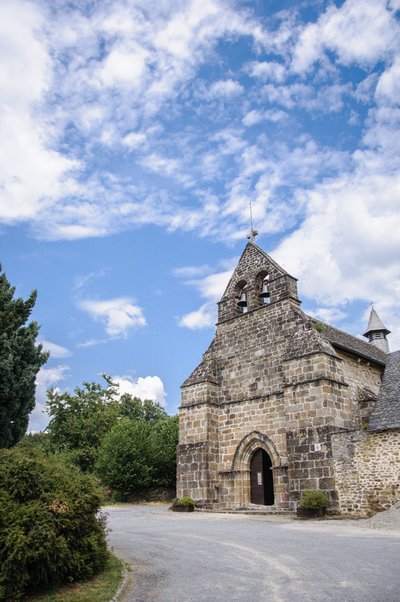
(207, 558)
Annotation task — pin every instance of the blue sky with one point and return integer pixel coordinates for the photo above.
(135, 134)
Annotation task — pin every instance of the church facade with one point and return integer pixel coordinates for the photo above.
(281, 403)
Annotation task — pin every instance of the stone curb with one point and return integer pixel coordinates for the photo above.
(123, 586)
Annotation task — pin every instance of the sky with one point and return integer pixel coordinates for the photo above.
(134, 136)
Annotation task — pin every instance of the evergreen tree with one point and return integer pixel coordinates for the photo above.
(20, 361)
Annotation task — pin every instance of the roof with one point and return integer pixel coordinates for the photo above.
(375, 324)
(386, 414)
(348, 342)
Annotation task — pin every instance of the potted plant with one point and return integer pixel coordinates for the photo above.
(183, 504)
(313, 504)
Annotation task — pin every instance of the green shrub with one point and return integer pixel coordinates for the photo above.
(183, 501)
(313, 499)
(50, 530)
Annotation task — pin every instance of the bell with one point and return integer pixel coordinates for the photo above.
(242, 300)
(264, 291)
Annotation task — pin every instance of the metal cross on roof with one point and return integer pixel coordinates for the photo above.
(252, 235)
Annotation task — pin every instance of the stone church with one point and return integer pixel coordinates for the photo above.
(281, 403)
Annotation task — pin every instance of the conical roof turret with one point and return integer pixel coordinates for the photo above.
(377, 331)
(375, 324)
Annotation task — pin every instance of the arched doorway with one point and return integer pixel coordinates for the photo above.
(261, 478)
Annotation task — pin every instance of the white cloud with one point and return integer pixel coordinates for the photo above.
(144, 387)
(328, 314)
(347, 248)
(191, 271)
(254, 116)
(225, 89)
(32, 175)
(210, 287)
(125, 65)
(119, 315)
(134, 139)
(388, 88)
(204, 317)
(267, 71)
(46, 378)
(359, 31)
(56, 351)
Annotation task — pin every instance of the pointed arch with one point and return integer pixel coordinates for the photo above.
(248, 445)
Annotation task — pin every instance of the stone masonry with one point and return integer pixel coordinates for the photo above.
(274, 379)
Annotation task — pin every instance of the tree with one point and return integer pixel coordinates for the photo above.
(80, 421)
(139, 454)
(124, 462)
(136, 409)
(163, 444)
(20, 361)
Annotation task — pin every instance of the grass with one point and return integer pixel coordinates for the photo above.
(99, 589)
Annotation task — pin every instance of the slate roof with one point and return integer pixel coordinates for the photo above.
(348, 342)
(386, 414)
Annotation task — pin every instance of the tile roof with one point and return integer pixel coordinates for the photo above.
(386, 414)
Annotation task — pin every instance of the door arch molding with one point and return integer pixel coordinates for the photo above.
(248, 445)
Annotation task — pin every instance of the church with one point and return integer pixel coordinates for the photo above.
(282, 403)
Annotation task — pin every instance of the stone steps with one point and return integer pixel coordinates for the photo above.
(254, 510)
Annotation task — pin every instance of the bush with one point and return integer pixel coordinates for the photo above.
(50, 532)
(313, 499)
(183, 501)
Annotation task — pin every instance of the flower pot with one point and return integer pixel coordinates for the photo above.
(310, 512)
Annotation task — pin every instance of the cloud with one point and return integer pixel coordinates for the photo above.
(254, 116)
(119, 315)
(267, 70)
(204, 317)
(359, 31)
(33, 176)
(191, 271)
(144, 387)
(56, 351)
(343, 251)
(87, 76)
(46, 378)
(210, 287)
(225, 89)
(388, 88)
(328, 314)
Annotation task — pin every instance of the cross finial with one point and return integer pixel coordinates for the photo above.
(252, 235)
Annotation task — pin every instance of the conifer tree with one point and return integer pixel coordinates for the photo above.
(20, 361)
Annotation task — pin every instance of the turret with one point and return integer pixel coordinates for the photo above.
(376, 332)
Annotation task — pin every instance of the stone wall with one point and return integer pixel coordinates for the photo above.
(367, 470)
(364, 380)
(310, 463)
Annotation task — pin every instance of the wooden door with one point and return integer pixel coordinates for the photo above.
(261, 479)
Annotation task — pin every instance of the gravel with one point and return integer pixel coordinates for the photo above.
(388, 519)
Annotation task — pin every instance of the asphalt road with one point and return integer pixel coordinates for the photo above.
(201, 557)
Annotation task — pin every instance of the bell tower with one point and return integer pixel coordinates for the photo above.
(376, 332)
